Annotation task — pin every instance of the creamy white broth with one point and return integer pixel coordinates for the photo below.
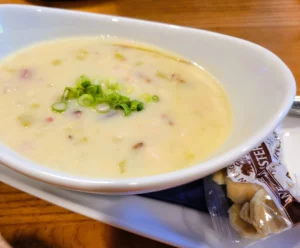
(190, 122)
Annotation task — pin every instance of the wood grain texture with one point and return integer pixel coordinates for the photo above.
(26, 221)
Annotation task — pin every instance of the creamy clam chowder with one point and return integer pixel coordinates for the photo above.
(110, 108)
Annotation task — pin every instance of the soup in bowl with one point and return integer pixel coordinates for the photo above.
(126, 115)
(108, 108)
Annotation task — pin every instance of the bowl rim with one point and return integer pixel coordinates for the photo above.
(166, 180)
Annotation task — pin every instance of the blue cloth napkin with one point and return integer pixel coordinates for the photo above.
(190, 195)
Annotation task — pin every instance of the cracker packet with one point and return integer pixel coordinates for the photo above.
(258, 196)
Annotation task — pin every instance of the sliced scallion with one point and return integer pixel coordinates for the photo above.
(120, 57)
(25, 120)
(146, 97)
(140, 106)
(93, 90)
(82, 54)
(134, 105)
(86, 100)
(83, 81)
(161, 75)
(155, 98)
(79, 92)
(102, 95)
(59, 107)
(122, 166)
(69, 93)
(114, 87)
(127, 110)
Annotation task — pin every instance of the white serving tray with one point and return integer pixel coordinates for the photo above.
(171, 224)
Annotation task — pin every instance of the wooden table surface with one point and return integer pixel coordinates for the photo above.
(26, 221)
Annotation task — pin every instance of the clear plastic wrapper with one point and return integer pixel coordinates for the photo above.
(255, 196)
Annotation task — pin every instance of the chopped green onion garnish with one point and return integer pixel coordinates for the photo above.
(114, 87)
(83, 80)
(86, 100)
(110, 81)
(122, 166)
(140, 106)
(69, 93)
(82, 54)
(35, 105)
(126, 109)
(94, 90)
(84, 140)
(102, 97)
(119, 56)
(155, 98)
(113, 99)
(85, 84)
(189, 156)
(79, 92)
(25, 120)
(146, 97)
(108, 91)
(134, 105)
(99, 99)
(161, 75)
(56, 62)
(59, 107)
(124, 98)
(129, 89)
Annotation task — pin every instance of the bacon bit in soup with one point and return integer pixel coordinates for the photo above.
(56, 62)
(77, 113)
(25, 73)
(138, 145)
(142, 76)
(49, 119)
(165, 117)
(177, 77)
(120, 57)
(122, 166)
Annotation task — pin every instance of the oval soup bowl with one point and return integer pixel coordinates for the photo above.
(260, 86)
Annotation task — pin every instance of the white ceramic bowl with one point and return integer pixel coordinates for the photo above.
(260, 86)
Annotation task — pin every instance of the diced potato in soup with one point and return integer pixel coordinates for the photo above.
(110, 108)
